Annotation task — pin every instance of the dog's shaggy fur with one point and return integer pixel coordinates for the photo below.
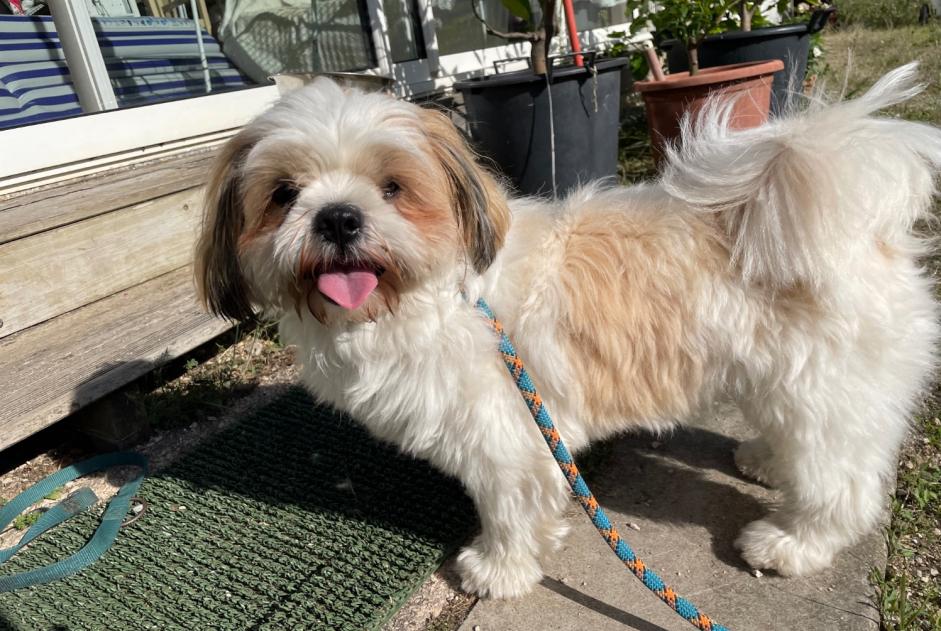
(776, 265)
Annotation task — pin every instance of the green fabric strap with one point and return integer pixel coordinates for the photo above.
(66, 509)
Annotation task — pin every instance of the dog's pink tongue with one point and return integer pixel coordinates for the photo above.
(348, 288)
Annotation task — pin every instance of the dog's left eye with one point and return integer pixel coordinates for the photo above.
(285, 194)
(390, 189)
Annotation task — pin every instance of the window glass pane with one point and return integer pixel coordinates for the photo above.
(458, 29)
(591, 14)
(343, 40)
(300, 36)
(405, 31)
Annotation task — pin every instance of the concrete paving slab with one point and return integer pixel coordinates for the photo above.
(689, 502)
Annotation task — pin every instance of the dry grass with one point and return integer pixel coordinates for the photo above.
(209, 380)
(856, 57)
(635, 161)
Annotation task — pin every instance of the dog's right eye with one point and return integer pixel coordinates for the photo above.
(285, 194)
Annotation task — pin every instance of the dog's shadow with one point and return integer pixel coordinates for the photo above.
(688, 477)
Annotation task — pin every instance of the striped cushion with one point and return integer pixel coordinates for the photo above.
(148, 59)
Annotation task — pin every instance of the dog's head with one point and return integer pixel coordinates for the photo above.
(338, 202)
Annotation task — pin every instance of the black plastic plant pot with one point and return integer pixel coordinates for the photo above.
(790, 44)
(508, 117)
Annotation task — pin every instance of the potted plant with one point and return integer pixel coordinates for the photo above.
(747, 35)
(667, 100)
(549, 127)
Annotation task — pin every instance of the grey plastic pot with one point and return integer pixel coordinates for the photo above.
(508, 117)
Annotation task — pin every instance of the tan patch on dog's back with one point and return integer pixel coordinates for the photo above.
(630, 280)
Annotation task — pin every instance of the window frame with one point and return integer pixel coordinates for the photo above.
(93, 142)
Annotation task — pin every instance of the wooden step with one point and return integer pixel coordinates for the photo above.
(47, 274)
(53, 368)
(49, 207)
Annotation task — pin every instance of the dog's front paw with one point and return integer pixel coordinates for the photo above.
(766, 545)
(493, 576)
(753, 459)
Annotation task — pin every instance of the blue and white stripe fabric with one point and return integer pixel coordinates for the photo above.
(148, 59)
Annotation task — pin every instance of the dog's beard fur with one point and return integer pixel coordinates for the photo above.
(776, 265)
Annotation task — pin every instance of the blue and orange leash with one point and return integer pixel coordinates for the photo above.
(563, 458)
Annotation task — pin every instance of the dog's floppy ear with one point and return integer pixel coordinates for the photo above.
(219, 279)
(479, 202)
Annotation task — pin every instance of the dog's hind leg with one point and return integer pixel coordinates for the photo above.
(830, 464)
(833, 414)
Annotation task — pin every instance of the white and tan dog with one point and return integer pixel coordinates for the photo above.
(776, 265)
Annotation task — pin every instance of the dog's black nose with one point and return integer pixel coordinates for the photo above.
(339, 223)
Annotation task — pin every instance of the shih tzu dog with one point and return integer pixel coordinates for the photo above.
(775, 265)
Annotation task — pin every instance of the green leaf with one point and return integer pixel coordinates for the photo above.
(56, 493)
(519, 8)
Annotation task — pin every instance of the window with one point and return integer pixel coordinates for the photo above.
(591, 14)
(460, 31)
(150, 53)
(405, 30)
(296, 36)
(135, 60)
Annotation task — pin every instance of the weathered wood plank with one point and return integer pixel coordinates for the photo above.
(49, 207)
(51, 273)
(54, 368)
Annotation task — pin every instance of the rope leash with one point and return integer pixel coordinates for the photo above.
(605, 528)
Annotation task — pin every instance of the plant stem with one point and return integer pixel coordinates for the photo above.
(527, 37)
(538, 54)
(538, 40)
(746, 15)
(693, 54)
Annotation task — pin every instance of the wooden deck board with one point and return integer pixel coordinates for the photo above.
(54, 368)
(45, 275)
(52, 206)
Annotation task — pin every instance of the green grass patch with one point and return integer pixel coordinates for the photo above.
(635, 160)
(24, 521)
(879, 14)
(55, 494)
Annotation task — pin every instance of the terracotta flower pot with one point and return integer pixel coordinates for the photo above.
(666, 101)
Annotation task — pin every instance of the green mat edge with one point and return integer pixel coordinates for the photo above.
(405, 595)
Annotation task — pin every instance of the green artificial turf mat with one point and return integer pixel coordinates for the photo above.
(291, 518)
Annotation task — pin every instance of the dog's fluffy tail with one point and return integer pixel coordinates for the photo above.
(804, 195)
